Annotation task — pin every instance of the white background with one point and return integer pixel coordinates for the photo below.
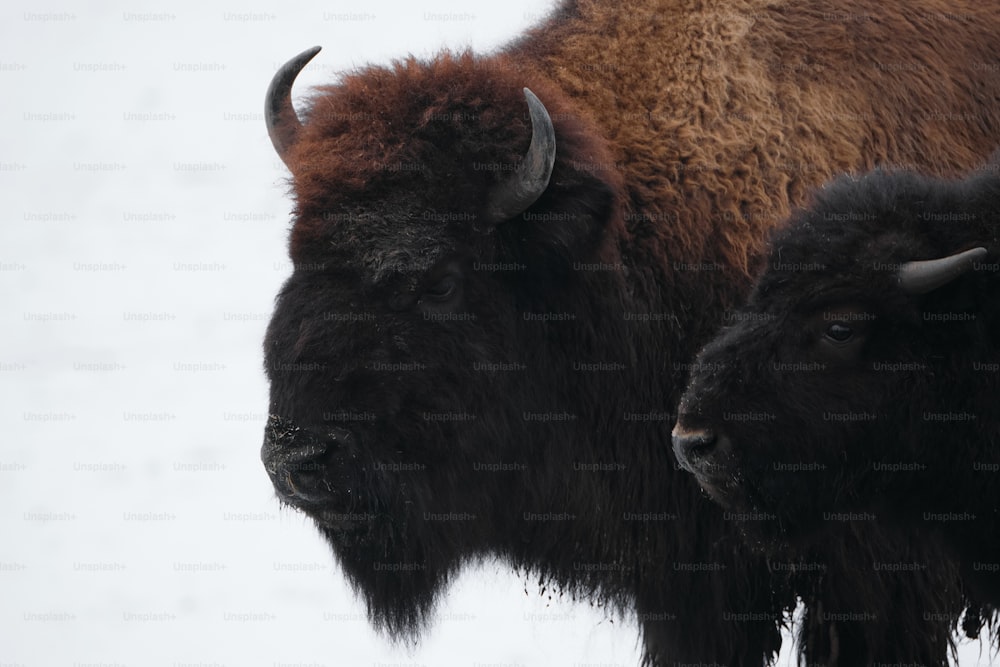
(141, 246)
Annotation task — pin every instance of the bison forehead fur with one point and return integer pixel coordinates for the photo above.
(841, 390)
(446, 387)
(394, 163)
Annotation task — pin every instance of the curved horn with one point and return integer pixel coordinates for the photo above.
(282, 122)
(529, 181)
(928, 275)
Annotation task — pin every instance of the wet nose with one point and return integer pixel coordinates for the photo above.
(692, 446)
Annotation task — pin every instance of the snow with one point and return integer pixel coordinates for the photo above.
(143, 245)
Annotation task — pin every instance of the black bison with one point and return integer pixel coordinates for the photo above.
(496, 293)
(864, 373)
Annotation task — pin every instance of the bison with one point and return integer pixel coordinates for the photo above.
(863, 374)
(503, 265)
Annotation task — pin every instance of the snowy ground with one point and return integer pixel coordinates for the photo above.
(141, 250)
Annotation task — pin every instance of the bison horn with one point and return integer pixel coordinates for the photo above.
(529, 181)
(283, 124)
(925, 276)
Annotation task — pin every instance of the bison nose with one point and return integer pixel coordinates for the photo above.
(692, 447)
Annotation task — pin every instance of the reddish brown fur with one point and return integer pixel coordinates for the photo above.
(750, 104)
(720, 115)
(377, 127)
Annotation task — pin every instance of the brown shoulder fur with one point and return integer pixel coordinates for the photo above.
(723, 114)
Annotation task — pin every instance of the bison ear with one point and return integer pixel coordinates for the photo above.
(928, 275)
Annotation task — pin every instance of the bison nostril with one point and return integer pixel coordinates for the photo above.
(689, 446)
(699, 443)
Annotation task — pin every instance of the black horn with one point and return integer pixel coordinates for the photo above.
(282, 122)
(529, 181)
(928, 275)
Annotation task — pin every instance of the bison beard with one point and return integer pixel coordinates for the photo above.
(332, 479)
(448, 386)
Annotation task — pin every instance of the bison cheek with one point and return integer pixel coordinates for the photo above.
(788, 502)
(759, 476)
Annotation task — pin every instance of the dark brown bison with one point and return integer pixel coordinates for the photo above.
(863, 375)
(496, 294)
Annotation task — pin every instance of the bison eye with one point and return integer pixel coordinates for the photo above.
(838, 332)
(443, 289)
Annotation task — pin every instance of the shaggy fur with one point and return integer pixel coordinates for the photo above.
(899, 419)
(445, 389)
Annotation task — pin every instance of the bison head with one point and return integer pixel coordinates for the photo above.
(439, 210)
(814, 399)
